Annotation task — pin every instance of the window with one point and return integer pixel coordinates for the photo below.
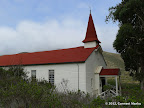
(91, 83)
(51, 77)
(33, 74)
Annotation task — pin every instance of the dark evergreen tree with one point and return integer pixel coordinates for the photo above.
(130, 37)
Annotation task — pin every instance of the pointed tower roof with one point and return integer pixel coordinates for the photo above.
(91, 32)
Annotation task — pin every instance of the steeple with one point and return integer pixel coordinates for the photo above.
(91, 36)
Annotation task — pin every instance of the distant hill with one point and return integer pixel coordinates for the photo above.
(115, 61)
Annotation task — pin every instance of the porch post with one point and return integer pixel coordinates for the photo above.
(120, 85)
(105, 80)
(116, 86)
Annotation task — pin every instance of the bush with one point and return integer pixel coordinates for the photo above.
(98, 102)
(111, 82)
(30, 95)
(106, 87)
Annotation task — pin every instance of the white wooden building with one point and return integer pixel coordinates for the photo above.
(83, 67)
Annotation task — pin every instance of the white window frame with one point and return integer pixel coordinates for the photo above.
(51, 77)
(33, 76)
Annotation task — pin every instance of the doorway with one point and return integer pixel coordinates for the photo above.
(103, 82)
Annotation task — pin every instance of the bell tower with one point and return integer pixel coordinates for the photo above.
(91, 39)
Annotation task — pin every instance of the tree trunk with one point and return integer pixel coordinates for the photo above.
(142, 71)
(142, 85)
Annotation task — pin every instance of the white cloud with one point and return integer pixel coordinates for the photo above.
(107, 35)
(29, 36)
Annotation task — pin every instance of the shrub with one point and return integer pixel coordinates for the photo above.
(98, 102)
(111, 82)
(106, 87)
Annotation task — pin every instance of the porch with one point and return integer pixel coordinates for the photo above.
(112, 90)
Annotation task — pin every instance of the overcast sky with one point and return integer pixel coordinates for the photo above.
(41, 25)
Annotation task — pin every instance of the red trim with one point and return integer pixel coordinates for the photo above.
(109, 72)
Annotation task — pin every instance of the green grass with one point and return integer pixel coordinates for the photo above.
(115, 61)
(130, 88)
(131, 92)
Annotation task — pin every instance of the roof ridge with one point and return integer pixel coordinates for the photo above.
(69, 55)
(42, 51)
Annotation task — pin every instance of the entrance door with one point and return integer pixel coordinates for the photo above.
(103, 81)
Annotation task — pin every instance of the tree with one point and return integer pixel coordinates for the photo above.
(130, 37)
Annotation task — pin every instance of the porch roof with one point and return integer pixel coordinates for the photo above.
(110, 72)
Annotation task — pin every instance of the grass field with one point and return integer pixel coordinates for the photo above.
(131, 91)
(115, 61)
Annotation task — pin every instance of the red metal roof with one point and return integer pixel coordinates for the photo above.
(110, 72)
(91, 32)
(78, 54)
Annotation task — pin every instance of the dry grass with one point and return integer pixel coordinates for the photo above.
(115, 61)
